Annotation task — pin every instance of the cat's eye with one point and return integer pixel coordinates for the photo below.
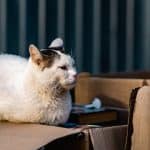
(63, 67)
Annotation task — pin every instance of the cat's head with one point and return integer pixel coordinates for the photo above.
(53, 65)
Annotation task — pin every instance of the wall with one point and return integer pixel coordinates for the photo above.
(102, 35)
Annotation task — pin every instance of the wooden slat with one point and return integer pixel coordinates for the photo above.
(41, 23)
(113, 35)
(146, 34)
(129, 35)
(61, 19)
(3, 17)
(96, 36)
(22, 27)
(79, 33)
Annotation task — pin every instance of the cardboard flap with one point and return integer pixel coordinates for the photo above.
(30, 136)
(108, 138)
(139, 120)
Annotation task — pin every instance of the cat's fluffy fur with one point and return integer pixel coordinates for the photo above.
(36, 90)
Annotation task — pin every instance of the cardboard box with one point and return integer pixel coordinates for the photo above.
(115, 90)
(112, 91)
(32, 137)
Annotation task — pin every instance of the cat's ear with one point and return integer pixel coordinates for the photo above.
(35, 54)
(57, 44)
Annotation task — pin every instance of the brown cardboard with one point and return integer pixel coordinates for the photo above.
(147, 82)
(115, 90)
(141, 120)
(30, 136)
(33, 136)
(108, 138)
(130, 118)
(112, 91)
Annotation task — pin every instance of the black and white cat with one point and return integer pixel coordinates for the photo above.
(37, 90)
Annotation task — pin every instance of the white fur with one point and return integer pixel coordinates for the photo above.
(28, 94)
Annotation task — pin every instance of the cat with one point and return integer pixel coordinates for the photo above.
(37, 90)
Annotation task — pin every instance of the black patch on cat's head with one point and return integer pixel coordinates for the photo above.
(49, 53)
(48, 57)
(60, 49)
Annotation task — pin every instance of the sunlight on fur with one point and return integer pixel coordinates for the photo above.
(37, 90)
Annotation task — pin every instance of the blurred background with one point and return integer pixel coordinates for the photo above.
(102, 35)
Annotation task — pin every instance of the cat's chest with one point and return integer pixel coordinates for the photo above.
(48, 108)
(58, 104)
(56, 111)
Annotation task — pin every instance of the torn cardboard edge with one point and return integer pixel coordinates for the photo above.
(132, 102)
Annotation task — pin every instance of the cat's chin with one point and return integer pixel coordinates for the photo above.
(69, 86)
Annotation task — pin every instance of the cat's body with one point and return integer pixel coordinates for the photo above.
(36, 90)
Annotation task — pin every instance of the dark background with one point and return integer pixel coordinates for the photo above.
(102, 35)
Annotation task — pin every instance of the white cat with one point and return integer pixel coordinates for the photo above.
(37, 90)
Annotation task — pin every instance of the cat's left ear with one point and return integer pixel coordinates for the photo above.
(35, 54)
(57, 44)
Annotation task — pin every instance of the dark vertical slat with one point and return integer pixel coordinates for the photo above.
(105, 59)
(79, 33)
(69, 26)
(113, 35)
(3, 15)
(22, 27)
(96, 66)
(129, 35)
(61, 18)
(41, 23)
(32, 23)
(138, 50)
(87, 36)
(51, 21)
(121, 44)
(12, 27)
